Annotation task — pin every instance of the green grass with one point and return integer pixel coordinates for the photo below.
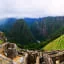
(57, 44)
(1, 41)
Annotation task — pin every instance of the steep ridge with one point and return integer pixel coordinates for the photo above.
(20, 33)
(48, 26)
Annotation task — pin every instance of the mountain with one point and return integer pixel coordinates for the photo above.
(57, 44)
(28, 30)
(47, 27)
(34, 25)
(2, 21)
(20, 33)
(30, 21)
(7, 23)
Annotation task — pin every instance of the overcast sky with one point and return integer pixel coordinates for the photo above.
(31, 8)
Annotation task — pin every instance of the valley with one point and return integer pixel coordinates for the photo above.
(29, 32)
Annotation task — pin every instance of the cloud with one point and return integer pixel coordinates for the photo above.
(31, 8)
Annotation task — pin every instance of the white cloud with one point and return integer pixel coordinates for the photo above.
(31, 8)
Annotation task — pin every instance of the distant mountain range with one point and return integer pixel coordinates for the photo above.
(6, 23)
(32, 29)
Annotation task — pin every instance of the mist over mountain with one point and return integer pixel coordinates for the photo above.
(30, 21)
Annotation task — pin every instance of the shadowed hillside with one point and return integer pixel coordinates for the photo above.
(47, 27)
(20, 33)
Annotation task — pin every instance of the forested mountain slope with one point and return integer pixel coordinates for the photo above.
(20, 33)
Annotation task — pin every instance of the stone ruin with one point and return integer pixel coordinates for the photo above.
(54, 57)
(10, 50)
(39, 57)
(31, 56)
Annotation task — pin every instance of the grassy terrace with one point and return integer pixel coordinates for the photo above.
(57, 44)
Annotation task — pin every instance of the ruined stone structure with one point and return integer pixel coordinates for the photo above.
(54, 57)
(32, 57)
(10, 50)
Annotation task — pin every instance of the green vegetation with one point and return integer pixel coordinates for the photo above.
(1, 41)
(45, 30)
(20, 33)
(57, 44)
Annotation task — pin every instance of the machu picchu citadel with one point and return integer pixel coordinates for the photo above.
(10, 54)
